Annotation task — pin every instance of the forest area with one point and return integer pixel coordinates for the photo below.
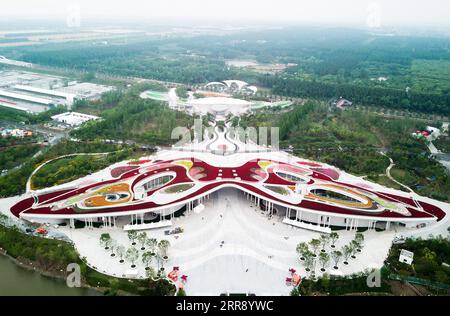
(400, 72)
(14, 182)
(352, 141)
(126, 116)
(408, 73)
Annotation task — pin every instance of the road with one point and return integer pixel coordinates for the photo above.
(443, 158)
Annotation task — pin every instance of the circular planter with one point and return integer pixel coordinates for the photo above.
(165, 258)
(147, 268)
(359, 250)
(353, 257)
(142, 248)
(121, 261)
(333, 246)
(307, 270)
(106, 248)
(133, 266)
(113, 255)
(336, 267)
(323, 250)
(302, 259)
(161, 270)
(322, 269)
(133, 244)
(345, 262)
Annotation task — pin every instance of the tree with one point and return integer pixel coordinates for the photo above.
(315, 244)
(324, 239)
(310, 261)
(132, 256)
(147, 258)
(163, 246)
(105, 240)
(142, 239)
(347, 251)
(120, 250)
(3, 219)
(152, 243)
(359, 240)
(112, 246)
(336, 256)
(150, 273)
(160, 262)
(334, 238)
(354, 245)
(302, 248)
(324, 259)
(132, 235)
(295, 291)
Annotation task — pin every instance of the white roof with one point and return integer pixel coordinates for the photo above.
(215, 83)
(218, 100)
(74, 118)
(219, 104)
(253, 88)
(26, 97)
(46, 91)
(239, 83)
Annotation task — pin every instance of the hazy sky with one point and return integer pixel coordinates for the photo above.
(354, 12)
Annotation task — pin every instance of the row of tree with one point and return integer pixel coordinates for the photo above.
(309, 252)
(153, 250)
(374, 96)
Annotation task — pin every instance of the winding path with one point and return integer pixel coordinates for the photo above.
(388, 174)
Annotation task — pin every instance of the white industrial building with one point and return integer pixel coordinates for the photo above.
(68, 98)
(37, 93)
(6, 61)
(74, 118)
(26, 97)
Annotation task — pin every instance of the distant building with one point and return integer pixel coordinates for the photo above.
(430, 133)
(66, 98)
(380, 79)
(35, 93)
(6, 61)
(15, 133)
(433, 130)
(74, 118)
(232, 86)
(343, 103)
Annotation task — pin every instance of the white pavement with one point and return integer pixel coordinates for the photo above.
(255, 256)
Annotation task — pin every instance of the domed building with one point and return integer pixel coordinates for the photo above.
(219, 106)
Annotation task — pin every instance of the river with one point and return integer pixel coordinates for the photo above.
(15, 280)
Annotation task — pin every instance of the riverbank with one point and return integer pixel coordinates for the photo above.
(24, 280)
(50, 258)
